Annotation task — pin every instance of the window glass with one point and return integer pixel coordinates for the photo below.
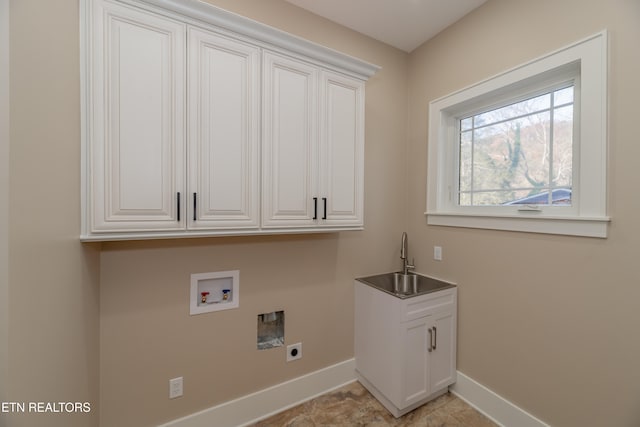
(520, 153)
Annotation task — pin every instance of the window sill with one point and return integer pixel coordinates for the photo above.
(569, 226)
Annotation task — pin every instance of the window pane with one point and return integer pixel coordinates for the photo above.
(563, 96)
(533, 164)
(465, 161)
(498, 198)
(466, 124)
(465, 199)
(528, 106)
(492, 198)
(513, 154)
(563, 146)
(489, 163)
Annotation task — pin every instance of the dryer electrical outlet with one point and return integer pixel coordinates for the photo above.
(294, 352)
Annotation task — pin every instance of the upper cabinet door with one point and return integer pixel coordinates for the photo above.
(289, 141)
(137, 141)
(342, 149)
(224, 124)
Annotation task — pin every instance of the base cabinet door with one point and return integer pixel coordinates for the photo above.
(429, 355)
(443, 350)
(224, 121)
(137, 121)
(416, 361)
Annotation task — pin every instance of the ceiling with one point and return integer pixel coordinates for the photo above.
(404, 24)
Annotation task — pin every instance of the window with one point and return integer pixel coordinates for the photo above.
(525, 150)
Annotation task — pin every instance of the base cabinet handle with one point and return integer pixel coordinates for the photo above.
(430, 348)
(435, 337)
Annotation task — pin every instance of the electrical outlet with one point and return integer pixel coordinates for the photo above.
(437, 253)
(294, 352)
(175, 387)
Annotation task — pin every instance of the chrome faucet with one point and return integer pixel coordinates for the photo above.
(403, 255)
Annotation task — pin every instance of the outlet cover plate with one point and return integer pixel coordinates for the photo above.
(175, 387)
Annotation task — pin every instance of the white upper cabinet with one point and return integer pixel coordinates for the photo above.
(289, 142)
(313, 146)
(136, 167)
(199, 122)
(341, 150)
(224, 124)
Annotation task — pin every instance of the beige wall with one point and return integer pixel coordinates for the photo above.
(561, 344)
(53, 316)
(4, 202)
(147, 335)
(548, 322)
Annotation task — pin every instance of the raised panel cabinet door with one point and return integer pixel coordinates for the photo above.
(224, 125)
(289, 149)
(443, 356)
(416, 361)
(342, 149)
(137, 125)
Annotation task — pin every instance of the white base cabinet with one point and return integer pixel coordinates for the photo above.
(405, 349)
(199, 122)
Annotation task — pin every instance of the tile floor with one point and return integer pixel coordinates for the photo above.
(352, 405)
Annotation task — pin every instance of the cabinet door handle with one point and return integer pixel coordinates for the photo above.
(178, 203)
(194, 206)
(430, 341)
(324, 201)
(435, 337)
(315, 208)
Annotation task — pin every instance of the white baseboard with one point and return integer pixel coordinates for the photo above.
(256, 406)
(498, 409)
(262, 404)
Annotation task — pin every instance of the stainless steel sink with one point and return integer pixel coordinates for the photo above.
(405, 285)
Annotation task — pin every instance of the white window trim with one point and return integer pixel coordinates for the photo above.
(588, 215)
